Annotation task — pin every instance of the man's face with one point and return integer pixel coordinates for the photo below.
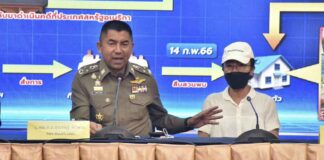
(116, 48)
(236, 66)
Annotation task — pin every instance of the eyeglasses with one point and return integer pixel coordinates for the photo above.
(237, 66)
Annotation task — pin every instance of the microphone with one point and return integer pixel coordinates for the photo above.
(248, 98)
(256, 135)
(114, 132)
(116, 102)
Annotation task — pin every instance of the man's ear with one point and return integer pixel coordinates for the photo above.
(252, 72)
(133, 44)
(99, 47)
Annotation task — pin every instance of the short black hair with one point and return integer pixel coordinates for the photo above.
(252, 60)
(252, 63)
(115, 25)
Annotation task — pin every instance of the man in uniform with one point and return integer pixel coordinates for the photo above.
(116, 92)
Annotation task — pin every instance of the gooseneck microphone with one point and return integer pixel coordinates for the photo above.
(256, 135)
(248, 98)
(114, 131)
(116, 102)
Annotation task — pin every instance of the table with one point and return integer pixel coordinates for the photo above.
(154, 151)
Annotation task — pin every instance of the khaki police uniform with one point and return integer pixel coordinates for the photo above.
(139, 106)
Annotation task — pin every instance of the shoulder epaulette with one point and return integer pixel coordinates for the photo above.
(89, 69)
(141, 69)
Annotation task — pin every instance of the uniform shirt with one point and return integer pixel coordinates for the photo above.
(94, 98)
(239, 118)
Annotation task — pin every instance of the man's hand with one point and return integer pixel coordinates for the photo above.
(94, 127)
(205, 117)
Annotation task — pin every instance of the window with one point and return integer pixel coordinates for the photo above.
(277, 67)
(267, 80)
(284, 78)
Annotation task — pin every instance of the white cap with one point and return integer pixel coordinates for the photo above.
(239, 51)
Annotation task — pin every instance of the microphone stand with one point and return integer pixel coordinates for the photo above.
(256, 135)
(116, 103)
(113, 132)
(255, 112)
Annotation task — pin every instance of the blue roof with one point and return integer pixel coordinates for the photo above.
(264, 62)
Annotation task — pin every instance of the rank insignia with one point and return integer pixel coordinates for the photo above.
(97, 83)
(93, 76)
(102, 71)
(132, 96)
(93, 67)
(99, 117)
(81, 71)
(97, 88)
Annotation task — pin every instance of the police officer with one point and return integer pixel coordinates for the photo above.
(116, 92)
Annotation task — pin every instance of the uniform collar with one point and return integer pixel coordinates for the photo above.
(227, 97)
(104, 70)
(130, 69)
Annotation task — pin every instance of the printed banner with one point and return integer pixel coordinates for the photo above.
(112, 4)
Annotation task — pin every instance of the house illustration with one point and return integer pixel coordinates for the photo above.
(270, 72)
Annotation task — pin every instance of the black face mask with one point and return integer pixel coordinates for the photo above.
(237, 80)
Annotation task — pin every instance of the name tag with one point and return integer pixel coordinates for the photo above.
(47, 130)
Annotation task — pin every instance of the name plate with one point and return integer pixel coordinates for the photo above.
(47, 130)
